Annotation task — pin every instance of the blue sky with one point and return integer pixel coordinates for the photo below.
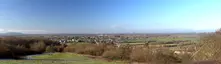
(109, 16)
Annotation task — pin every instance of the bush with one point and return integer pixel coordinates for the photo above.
(69, 49)
(112, 54)
(38, 47)
(110, 47)
(121, 53)
(50, 49)
(90, 49)
(125, 51)
(80, 48)
(3, 49)
(170, 45)
(153, 56)
(140, 54)
(209, 48)
(95, 50)
(13, 47)
(165, 57)
(186, 58)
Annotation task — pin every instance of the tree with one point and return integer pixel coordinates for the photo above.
(50, 49)
(38, 46)
(218, 31)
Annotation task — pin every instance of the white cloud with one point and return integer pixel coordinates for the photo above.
(23, 31)
(2, 30)
(27, 31)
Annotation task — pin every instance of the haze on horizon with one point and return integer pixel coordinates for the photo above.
(109, 16)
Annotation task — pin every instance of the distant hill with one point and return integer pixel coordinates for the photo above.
(11, 34)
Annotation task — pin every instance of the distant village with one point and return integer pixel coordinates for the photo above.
(111, 38)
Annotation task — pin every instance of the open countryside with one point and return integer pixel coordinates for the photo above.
(110, 32)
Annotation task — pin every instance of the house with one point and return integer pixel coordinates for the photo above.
(62, 41)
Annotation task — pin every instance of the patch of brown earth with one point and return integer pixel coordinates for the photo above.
(207, 62)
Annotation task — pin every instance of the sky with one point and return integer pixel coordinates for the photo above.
(109, 16)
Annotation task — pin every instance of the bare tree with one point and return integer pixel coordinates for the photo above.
(218, 31)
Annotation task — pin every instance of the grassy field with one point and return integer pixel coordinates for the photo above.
(59, 58)
(162, 39)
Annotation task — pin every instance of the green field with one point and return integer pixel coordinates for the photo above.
(59, 58)
(161, 39)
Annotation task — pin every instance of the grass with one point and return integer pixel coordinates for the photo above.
(161, 39)
(166, 39)
(59, 58)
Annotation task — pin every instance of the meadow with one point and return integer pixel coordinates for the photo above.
(59, 58)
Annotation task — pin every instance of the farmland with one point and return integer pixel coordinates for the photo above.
(104, 49)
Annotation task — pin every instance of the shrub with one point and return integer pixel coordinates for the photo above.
(69, 49)
(80, 48)
(125, 51)
(50, 49)
(90, 49)
(112, 54)
(186, 58)
(21, 46)
(3, 48)
(121, 53)
(109, 47)
(154, 56)
(59, 48)
(209, 49)
(171, 45)
(38, 47)
(140, 54)
(93, 49)
(165, 57)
